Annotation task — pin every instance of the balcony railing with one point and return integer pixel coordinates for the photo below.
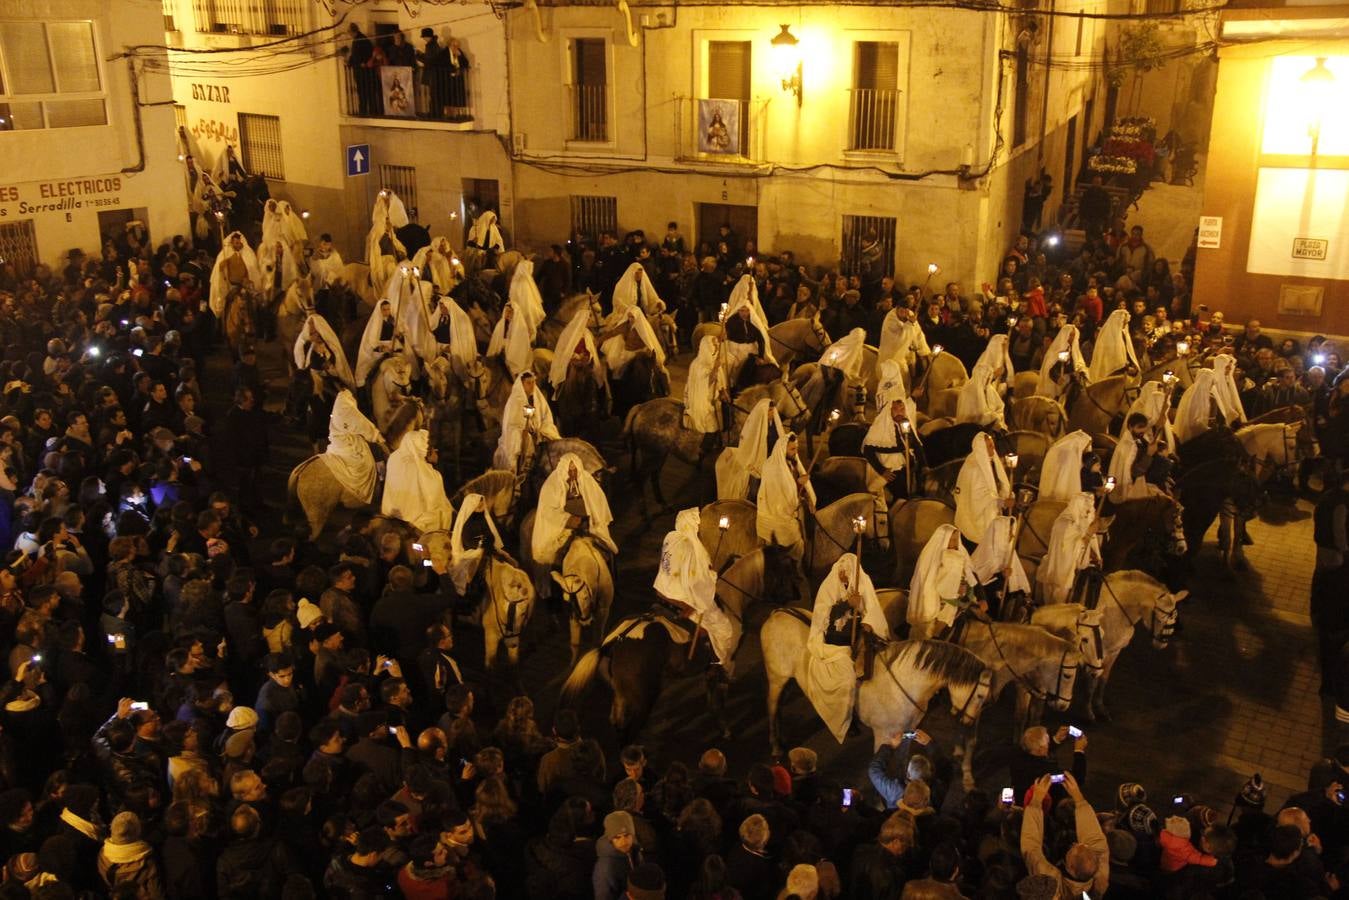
(277, 18)
(589, 113)
(872, 118)
(435, 95)
(704, 130)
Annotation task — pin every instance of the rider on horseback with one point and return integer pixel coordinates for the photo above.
(891, 447)
(571, 504)
(847, 619)
(785, 494)
(942, 589)
(686, 580)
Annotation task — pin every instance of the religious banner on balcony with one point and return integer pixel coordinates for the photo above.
(719, 127)
(397, 89)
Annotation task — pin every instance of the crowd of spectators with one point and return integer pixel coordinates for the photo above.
(197, 709)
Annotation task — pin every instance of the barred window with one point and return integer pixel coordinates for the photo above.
(593, 215)
(869, 246)
(402, 180)
(36, 91)
(260, 142)
(270, 17)
(169, 9)
(18, 245)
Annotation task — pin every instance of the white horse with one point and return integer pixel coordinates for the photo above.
(587, 589)
(833, 534)
(907, 676)
(1130, 598)
(505, 610)
(391, 386)
(1271, 446)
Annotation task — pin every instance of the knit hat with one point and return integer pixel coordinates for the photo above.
(646, 882)
(307, 614)
(1179, 826)
(617, 823)
(126, 829)
(1202, 815)
(1122, 844)
(1252, 793)
(1131, 794)
(1142, 821)
(782, 782)
(1037, 887)
(242, 717)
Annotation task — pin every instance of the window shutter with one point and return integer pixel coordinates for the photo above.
(728, 70)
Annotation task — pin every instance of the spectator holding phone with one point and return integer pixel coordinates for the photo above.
(1086, 866)
(1033, 759)
(890, 769)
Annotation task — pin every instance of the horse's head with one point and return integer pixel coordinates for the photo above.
(1090, 630)
(821, 334)
(1174, 519)
(968, 698)
(1062, 696)
(1162, 620)
(791, 405)
(578, 597)
(396, 372)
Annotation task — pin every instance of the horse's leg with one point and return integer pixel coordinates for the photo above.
(967, 747)
(717, 686)
(1021, 718)
(491, 640)
(575, 641)
(776, 683)
(1098, 693)
(655, 481)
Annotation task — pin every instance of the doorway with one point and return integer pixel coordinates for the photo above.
(1069, 150)
(480, 195)
(744, 222)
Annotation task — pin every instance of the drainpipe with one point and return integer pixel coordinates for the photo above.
(1044, 106)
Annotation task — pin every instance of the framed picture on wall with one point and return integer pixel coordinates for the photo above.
(719, 127)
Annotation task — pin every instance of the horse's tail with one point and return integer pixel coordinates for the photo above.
(630, 436)
(579, 680)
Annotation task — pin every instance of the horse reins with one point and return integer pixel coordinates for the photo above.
(1167, 631)
(1033, 690)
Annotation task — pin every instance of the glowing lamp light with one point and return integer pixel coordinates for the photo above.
(937, 350)
(724, 522)
(529, 412)
(182, 158)
(454, 260)
(304, 214)
(1011, 321)
(453, 216)
(93, 351)
(1319, 359)
(1063, 356)
(384, 192)
(723, 313)
(787, 57)
(1011, 459)
(859, 524)
(1182, 347)
(834, 416)
(1110, 482)
(1169, 377)
(905, 426)
(1052, 240)
(220, 216)
(933, 268)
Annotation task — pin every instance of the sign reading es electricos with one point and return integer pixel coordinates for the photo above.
(1310, 248)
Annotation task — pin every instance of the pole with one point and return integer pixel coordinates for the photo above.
(857, 582)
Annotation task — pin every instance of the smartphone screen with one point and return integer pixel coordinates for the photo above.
(1074, 731)
(1008, 797)
(140, 705)
(1056, 779)
(847, 797)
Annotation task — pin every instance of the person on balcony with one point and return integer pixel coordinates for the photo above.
(435, 62)
(458, 82)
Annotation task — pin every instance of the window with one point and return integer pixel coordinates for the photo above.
(402, 180)
(18, 245)
(589, 90)
(170, 7)
(268, 17)
(593, 215)
(36, 92)
(728, 72)
(1021, 105)
(260, 143)
(179, 116)
(875, 96)
(869, 246)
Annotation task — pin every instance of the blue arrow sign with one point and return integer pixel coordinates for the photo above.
(358, 160)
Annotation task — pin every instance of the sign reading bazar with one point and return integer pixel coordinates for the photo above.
(60, 196)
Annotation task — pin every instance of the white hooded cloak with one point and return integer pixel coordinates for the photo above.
(980, 401)
(996, 356)
(847, 354)
(464, 561)
(1114, 347)
(942, 574)
(900, 339)
(463, 346)
(220, 287)
(273, 255)
(525, 294)
(995, 552)
(413, 489)
(890, 384)
(1225, 390)
(515, 421)
(1196, 406)
(884, 433)
(702, 389)
(292, 225)
(577, 333)
(626, 293)
(304, 347)
(829, 680)
(617, 356)
(550, 521)
(515, 340)
(348, 455)
(746, 294)
(485, 234)
(1072, 547)
(1067, 340)
(738, 464)
(981, 487)
(778, 518)
(1061, 471)
(438, 261)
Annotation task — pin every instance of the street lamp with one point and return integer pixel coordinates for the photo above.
(1317, 84)
(787, 54)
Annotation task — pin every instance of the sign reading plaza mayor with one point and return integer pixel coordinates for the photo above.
(64, 195)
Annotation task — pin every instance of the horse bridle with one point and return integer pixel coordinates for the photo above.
(1168, 624)
(579, 615)
(1036, 692)
(1098, 641)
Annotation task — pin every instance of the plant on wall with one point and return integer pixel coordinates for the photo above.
(1140, 51)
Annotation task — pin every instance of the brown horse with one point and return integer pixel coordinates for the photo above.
(239, 320)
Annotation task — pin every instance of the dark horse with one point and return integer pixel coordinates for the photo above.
(642, 380)
(580, 404)
(1219, 488)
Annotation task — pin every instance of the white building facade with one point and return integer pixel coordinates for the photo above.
(86, 128)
